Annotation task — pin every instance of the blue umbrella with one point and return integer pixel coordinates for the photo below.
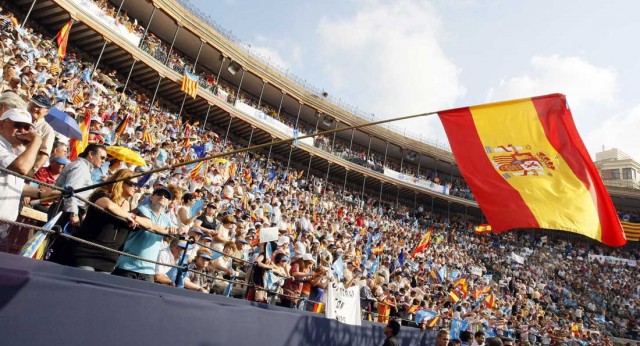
(62, 123)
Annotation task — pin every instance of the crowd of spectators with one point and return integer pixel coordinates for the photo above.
(556, 293)
(342, 148)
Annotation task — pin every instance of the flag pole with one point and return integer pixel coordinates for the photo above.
(255, 147)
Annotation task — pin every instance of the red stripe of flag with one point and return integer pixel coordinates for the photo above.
(563, 135)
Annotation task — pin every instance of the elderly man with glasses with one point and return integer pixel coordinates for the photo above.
(19, 146)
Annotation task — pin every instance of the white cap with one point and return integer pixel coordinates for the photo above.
(283, 240)
(70, 110)
(307, 257)
(17, 115)
(98, 119)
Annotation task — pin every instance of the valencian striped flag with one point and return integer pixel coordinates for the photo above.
(528, 168)
(190, 84)
(61, 39)
(631, 230)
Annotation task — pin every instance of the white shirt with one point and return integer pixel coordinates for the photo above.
(165, 256)
(10, 185)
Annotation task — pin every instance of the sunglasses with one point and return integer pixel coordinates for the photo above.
(131, 183)
(163, 195)
(22, 126)
(103, 158)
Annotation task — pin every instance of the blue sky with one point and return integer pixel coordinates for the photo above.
(402, 57)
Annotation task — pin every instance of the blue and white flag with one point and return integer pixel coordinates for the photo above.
(31, 247)
(338, 268)
(425, 315)
(268, 251)
(457, 326)
(442, 273)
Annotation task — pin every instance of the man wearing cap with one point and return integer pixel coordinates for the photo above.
(144, 243)
(170, 256)
(19, 145)
(49, 175)
(38, 108)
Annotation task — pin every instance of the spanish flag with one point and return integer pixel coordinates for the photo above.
(378, 250)
(454, 296)
(434, 321)
(76, 147)
(424, 243)
(528, 168)
(190, 84)
(61, 39)
(463, 284)
(631, 230)
(483, 228)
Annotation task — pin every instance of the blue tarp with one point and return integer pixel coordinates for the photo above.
(43, 303)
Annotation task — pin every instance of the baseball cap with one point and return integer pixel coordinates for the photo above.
(307, 257)
(283, 240)
(163, 191)
(97, 119)
(17, 115)
(62, 160)
(41, 101)
(183, 244)
(281, 257)
(205, 256)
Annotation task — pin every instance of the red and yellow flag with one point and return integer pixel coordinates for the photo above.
(490, 301)
(463, 284)
(119, 130)
(454, 296)
(483, 228)
(631, 230)
(528, 168)
(423, 244)
(434, 321)
(61, 39)
(190, 84)
(76, 147)
(378, 250)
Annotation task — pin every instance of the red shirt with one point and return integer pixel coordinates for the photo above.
(44, 175)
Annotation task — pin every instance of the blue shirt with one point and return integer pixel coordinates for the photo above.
(144, 244)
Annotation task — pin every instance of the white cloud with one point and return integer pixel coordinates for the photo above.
(282, 54)
(589, 89)
(387, 59)
(620, 131)
(592, 93)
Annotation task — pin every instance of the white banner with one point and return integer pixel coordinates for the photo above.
(343, 304)
(415, 181)
(476, 271)
(517, 258)
(271, 122)
(613, 260)
(268, 234)
(91, 8)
